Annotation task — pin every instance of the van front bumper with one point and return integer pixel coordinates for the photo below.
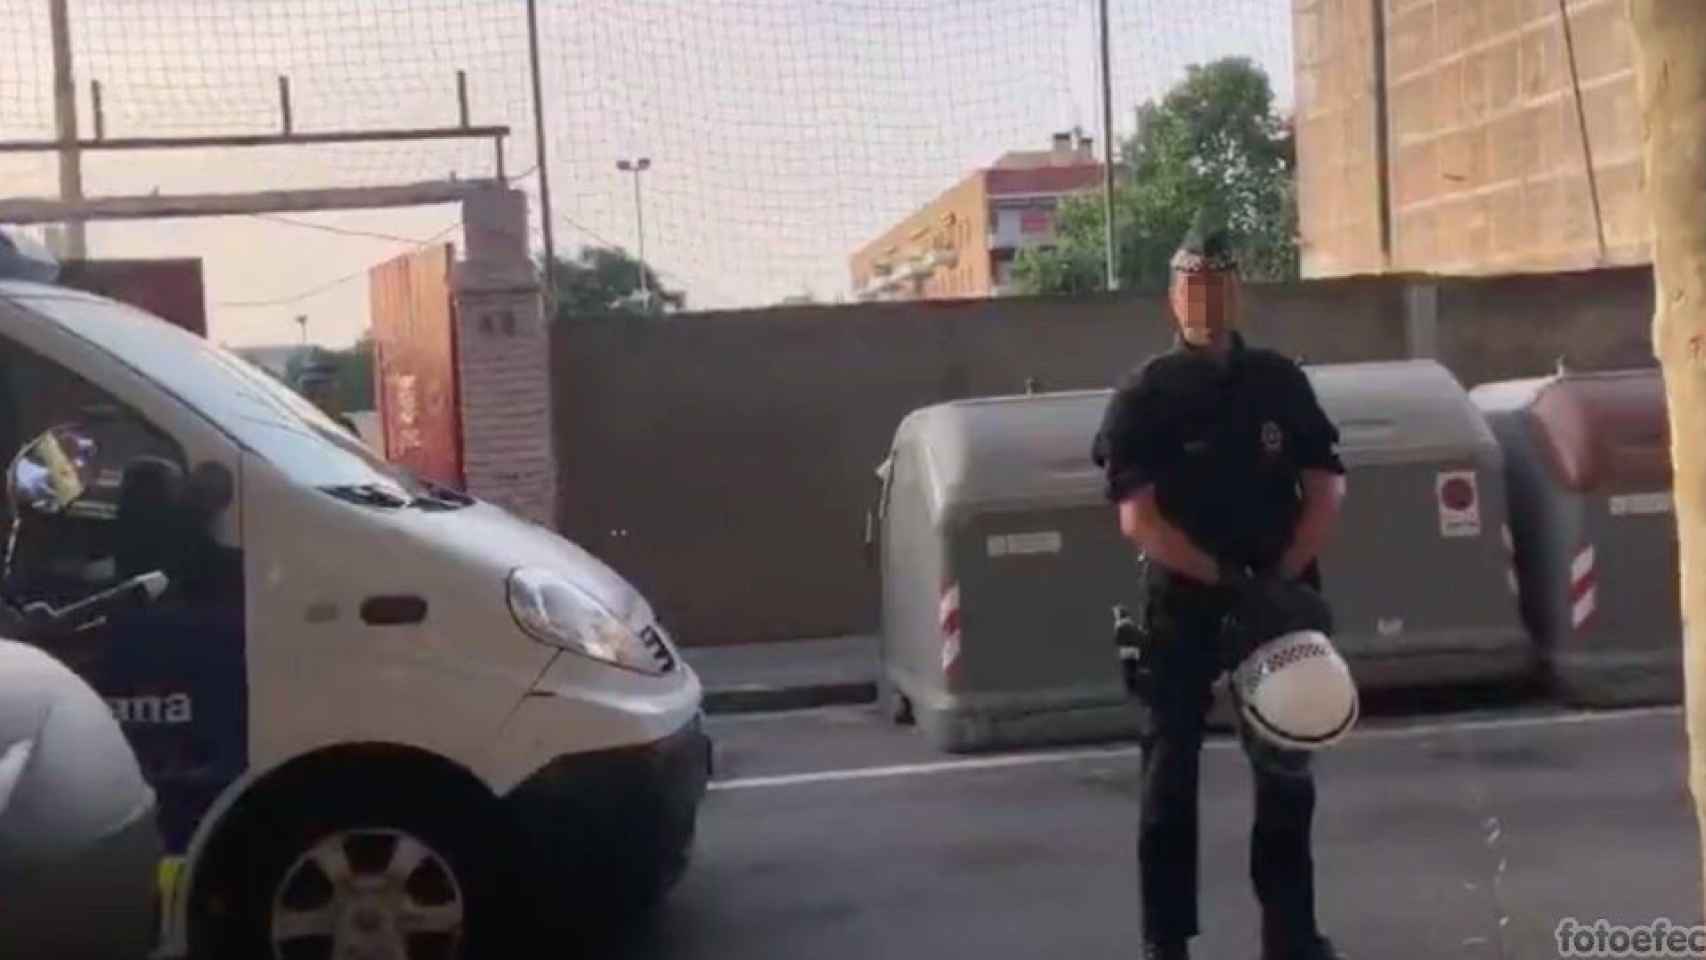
(613, 827)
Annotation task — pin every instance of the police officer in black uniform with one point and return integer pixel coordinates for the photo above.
(1224, 469)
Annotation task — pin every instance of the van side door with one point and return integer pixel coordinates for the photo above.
(152, 491)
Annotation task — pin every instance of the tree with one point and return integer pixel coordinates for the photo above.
(1670, 64)
(604, 280)
(1214, 141)
(355, 374)
(352, 370)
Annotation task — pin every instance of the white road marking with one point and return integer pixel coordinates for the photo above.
(1223, 743)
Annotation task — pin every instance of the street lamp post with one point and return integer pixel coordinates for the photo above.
(637, 167)
(1110, 255)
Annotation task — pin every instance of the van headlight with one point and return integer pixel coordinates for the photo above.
(551, 609)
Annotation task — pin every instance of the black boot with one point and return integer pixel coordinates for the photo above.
(1166, 951)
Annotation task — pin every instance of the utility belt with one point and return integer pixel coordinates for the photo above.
(1248, 618)
(1137, 654)
(1141, 649)
(1134, 635)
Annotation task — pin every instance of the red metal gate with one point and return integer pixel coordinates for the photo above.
(414, 339)
(169, 289)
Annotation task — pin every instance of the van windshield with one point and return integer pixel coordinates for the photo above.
(251, 406)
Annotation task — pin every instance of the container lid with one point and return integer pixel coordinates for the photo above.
(1009, 452)
(1605, 431)
(1400, 412)
(1013, 452)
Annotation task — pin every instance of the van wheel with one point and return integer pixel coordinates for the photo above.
(377, 871)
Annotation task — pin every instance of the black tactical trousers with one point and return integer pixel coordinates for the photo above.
(1184, 627)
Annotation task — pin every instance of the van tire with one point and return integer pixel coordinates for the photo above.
(458, 826)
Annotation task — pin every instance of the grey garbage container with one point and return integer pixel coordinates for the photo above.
(1418, 573)
(1593, 529)
(1000, 560)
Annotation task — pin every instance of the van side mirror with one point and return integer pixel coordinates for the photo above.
(53, 471)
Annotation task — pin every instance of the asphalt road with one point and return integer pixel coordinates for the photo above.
(830, 835)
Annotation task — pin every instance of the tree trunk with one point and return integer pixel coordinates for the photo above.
(1670, 58)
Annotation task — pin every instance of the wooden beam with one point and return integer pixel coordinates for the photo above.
(1670, 59)
(65, 124)
(40, 210)
(285, 139)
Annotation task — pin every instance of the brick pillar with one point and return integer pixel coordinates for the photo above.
(503, 361)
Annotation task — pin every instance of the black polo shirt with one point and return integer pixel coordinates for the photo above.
(1224, 445)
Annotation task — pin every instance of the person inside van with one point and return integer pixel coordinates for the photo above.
(110, 522)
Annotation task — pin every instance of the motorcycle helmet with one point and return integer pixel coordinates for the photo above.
(1296, 692)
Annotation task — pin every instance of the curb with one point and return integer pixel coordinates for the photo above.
(762, 699)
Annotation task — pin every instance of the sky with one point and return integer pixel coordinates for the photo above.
(782, 133)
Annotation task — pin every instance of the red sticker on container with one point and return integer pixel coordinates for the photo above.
(1459, 501)
(1457, 494)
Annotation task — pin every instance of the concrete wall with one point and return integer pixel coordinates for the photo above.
(1487, 169)
(724, 461)
(1518, 326)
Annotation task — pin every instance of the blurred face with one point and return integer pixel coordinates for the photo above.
(1205, 306)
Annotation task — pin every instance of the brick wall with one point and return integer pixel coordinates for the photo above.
(1487, 166)
(503, 348)
(506, 401)
(1337, 137)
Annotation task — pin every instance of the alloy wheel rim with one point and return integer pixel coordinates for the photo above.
(370, 894)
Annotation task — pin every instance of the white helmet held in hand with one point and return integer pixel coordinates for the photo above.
(1296, 692)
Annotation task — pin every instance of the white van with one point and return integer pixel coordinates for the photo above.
(377, 713)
